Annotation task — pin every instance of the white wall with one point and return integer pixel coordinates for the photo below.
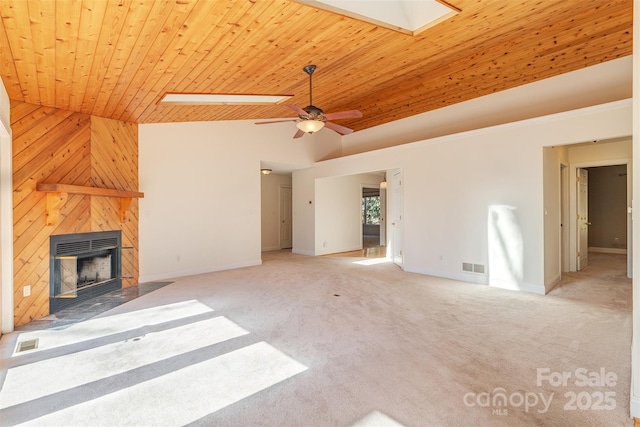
(201, 210)
(603, 150)
(461, 191)
(270, 211)
(304, 212)
(338, 225)
(635, 347)
(6, 215)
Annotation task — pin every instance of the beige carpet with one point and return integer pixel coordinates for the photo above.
(332, 341)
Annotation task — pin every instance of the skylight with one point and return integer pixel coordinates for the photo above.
(221, 99)
(407, 16)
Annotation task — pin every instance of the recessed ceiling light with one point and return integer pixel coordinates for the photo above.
(407, 16)
(221, 99)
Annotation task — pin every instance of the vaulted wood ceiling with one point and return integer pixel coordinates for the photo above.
(117, 58)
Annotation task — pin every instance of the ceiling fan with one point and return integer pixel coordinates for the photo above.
(311, 118)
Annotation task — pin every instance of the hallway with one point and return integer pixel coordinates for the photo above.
(604, 277)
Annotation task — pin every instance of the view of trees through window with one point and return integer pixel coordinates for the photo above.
(371, 210)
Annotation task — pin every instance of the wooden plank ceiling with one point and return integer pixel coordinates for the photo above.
(117, 58)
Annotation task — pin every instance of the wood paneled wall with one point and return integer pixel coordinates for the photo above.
(57, 146)
(114, 164)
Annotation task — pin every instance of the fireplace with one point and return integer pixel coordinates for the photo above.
(83, 266)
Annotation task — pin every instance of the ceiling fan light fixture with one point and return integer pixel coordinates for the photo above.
(311, 118)
(310, 126)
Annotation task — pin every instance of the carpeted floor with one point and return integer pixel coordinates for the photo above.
(334, 341)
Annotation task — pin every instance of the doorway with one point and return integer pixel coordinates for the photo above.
(582, 217)
(396, 215)
(286, 224)
(371, 215)
(607, 211)
(564, 218)
(600, 203)
(276, 213)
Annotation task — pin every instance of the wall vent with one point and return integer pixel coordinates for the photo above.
(104, 243)
(73, 244)
(73, 247)
(27, 345)
(473, 268)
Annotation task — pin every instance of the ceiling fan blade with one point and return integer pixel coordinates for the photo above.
(340, 129)
(298, 110)
(275, 121)
(298, 134)
(351, 114)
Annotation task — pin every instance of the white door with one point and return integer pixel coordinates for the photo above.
(583, 218)
(564, 219)
(383, 217)
(286, 238)
(396, 217)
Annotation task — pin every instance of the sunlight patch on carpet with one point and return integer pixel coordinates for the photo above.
(377, 419)
(185, 395)
(49, 376)
(104, 326)
(372, 261)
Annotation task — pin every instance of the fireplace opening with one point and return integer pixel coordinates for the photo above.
(83, 266)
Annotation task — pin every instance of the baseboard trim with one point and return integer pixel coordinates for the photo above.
(479, 279)
(635, 409)
(552, 283)
(608, 250)
(302, 252)
(196, 271)
(534, 289)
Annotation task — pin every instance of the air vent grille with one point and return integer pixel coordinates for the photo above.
(72, 248)
(27, 345)
(473, 268)
(75, 244)
(104, 243)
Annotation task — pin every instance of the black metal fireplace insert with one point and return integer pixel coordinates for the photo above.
(83, 266)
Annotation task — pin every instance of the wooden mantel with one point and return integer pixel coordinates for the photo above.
(57, 196)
